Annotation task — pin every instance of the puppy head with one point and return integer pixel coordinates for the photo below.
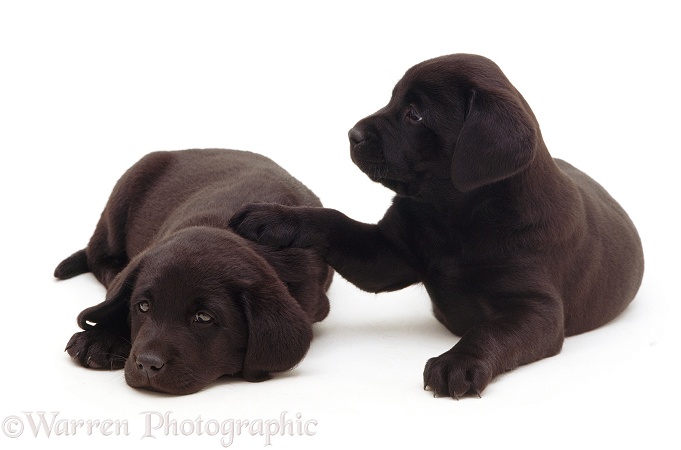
(454, 119)
(202, 305)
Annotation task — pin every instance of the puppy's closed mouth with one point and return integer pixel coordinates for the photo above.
(176, 383)
(380, 172)
(375, 168)
(377, 173)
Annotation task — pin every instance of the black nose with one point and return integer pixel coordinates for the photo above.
(356, 136)
(149, 363)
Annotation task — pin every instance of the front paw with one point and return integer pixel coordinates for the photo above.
(98, 349)
(455, 374)
(269, 224)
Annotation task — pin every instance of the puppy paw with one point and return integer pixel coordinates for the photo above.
(455, 374)
(269, 224)
(98, 349)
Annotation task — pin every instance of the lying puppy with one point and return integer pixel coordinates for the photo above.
(187, 299)
(516, 250)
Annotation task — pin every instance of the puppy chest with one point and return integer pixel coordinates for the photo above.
(464, 294)
(456, 306)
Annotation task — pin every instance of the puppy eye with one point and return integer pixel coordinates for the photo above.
(413, 115)
(143, 306)
(202, 317)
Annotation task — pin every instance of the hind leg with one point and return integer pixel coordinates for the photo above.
(105, 255)
(104, 265)
(72, 266)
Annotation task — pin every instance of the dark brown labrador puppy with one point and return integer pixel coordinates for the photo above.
(187, 299)
(517, 250)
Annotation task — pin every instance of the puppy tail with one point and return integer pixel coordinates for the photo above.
(72, 266)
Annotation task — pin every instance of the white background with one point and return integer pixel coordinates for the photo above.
(87, 88)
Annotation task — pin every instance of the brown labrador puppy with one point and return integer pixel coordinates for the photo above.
(187, 299)
(517, 250)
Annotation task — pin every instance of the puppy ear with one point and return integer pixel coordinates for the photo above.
(114, 309)
(279, 331)
(498, 139)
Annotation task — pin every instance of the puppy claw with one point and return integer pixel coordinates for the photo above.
(92, 364)
(98, 349)
(456, 375)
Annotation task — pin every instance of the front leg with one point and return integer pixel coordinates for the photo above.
(359, 252)
(527, 332)
(100, 347)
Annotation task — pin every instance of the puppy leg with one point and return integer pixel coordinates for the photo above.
(105, 343)
(359, 252)
(100, 348)
(75, 264)
(524, 335)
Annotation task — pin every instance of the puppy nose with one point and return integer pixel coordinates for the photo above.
(149, 363)
(356, 136)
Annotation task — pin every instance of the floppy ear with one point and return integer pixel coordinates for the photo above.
(114, 309)
(279, 331)
(498, 139)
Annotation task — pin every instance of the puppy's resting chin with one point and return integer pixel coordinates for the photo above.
(145, 371)
(180, 385)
